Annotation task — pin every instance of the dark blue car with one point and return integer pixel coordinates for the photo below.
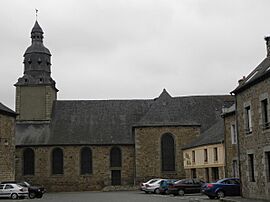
(222, 188)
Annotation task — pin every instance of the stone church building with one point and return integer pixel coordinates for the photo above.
(70, 145)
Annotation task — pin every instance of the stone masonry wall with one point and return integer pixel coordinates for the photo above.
(7, 148)
(148, 150)
(72, 180)
(257, 142)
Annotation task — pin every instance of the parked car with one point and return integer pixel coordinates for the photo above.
(143, 185)
(184, 186)
(153, 187)
(12, 190)
(164, 185)
(222, 188)
(35, 191)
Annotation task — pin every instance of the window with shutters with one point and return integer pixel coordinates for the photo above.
(57, 162)
(167, 152)
(86, 161)
(28, 162)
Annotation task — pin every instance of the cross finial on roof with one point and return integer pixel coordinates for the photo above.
(36, 14)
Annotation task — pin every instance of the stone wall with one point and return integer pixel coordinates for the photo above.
(72, 180)
(257, 142)
(7, 147)
(148, 150)
(34, 102)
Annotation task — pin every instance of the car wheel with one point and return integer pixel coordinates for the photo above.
(32, 195)
(181, 192)
(220, 194)
(39, 196)
(167, 191)
(157, 191)
(14, 196)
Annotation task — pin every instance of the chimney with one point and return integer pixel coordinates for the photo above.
(241, 81)
(267, 39)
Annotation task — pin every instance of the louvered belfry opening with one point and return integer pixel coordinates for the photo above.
(28, 162)
(168, 152)
(86, 161)
(57, 161)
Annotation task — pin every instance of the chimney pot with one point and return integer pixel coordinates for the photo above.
(240, 81)
(267, 39)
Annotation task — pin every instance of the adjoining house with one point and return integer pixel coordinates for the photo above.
(70, 145)
(252, 117)
(204, 157)
(7, 143)
(230, 142)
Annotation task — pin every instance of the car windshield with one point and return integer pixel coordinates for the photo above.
(228, 181)
(179, 181)
(152, 181)
(27, 184)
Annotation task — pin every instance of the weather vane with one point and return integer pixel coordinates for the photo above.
(36, 14)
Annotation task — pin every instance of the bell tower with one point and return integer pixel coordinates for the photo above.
(35, 90)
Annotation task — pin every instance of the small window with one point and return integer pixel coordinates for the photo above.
(193, 156)
(265, 121)
(207, 174)
(215, 174)
(267, 165)
(205, 156)
(39, 61)
(215, 154)
(86, 161)
(233, 134)
(115, 157)
(235, 168)
(25, 80)
(193, 173)
(57, 161)
(248, 120)
(28, 162)
(251, 167)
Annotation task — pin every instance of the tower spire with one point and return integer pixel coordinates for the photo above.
(37, 61)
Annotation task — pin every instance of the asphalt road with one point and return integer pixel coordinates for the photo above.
(120, 196)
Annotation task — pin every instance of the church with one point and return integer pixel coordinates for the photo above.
(77, 145)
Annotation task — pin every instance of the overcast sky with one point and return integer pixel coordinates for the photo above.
(132, 49)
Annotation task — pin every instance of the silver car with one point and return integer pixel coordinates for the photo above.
(143, 185)
(153, 187)
(12, 190)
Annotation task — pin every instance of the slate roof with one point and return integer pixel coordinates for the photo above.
(261, 72)
(4, 109)
(106, 122)
(213, 135)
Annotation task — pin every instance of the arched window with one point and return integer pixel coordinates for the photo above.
(167, 153)
(28, 162)
(57, 161)
(115, 157)
(86, 161)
